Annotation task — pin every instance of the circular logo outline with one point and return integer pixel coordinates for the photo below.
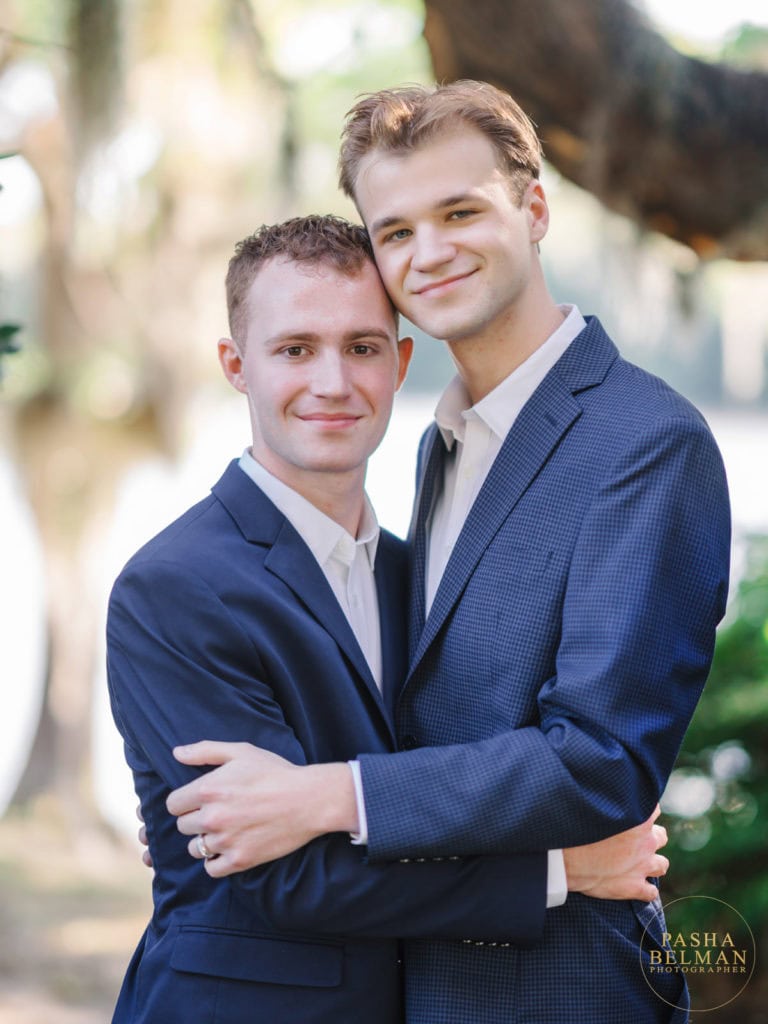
(713, 899)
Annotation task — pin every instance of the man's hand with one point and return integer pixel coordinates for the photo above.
(256, 806)
(618, 868)
(146, 856)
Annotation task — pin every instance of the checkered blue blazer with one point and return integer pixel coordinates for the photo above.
(552, 681)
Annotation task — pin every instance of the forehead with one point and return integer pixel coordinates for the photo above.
(450, 163)
(287, 295)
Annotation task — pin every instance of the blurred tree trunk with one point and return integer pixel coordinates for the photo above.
(676, 144)
(69, 461)
(59, 456)
(71, 448)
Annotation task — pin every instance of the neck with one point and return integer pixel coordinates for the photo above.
(341, 500)
(340, 496)
(487, 358)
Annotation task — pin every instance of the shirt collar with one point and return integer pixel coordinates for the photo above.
(500, 407)
(324, 537)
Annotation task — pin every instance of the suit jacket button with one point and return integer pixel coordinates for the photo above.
(409, 742)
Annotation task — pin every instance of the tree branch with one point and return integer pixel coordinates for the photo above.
(675, 143)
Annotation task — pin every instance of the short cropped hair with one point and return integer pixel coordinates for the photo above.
(401, 119)
(315, 239)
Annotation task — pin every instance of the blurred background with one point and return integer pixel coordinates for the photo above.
(138, 142)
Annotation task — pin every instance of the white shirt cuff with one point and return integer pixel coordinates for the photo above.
(360, 838)
(557, 883)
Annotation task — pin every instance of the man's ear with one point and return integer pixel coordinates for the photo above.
(232, 364)
(535, 202)
(404, 353)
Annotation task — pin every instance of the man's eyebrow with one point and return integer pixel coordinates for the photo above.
(441, 204)
(367, 332)
(384, 222)
(296, 337)
(282, 336)
(455, 200)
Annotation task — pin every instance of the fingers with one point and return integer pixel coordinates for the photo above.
(183, 800)
(192, 824)
(657, 867)
(202, 847)
(220, 867)
(146, 856)
(659, 834)
(139, 815)
(207, 752)
(647, 892)
(217, 865)
(661, 866)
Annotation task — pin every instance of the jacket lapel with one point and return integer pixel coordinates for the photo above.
(392, 591)
(430, 467)
(290, 560)
(543, 421)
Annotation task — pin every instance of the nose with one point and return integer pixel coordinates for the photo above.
(330, 378)
(431, 250)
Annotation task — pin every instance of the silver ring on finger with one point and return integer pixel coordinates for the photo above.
(202, 848)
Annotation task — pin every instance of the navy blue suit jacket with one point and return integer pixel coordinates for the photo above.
(552, 681)
(224, 627)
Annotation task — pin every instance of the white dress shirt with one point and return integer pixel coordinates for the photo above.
(474, 434)
(347, 562)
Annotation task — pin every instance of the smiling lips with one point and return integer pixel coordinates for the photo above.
(331, 420)
(437, 287)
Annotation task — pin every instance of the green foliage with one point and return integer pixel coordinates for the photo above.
(8, 332)
(747, 47)
(376, 45)
(8, 343)
(7, 338)
(717, 800)
(43, 23)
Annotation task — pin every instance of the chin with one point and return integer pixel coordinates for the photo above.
(333, 466)
(456, 335)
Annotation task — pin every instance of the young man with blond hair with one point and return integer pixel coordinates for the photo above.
(570, 547)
